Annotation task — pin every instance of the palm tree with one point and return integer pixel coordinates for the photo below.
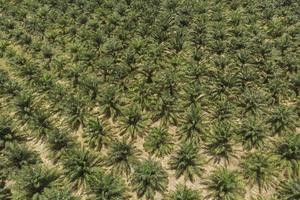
(17, 156)
(158, 142)
(193, 93)
(97, 134)
(277, 88)
(110, 102)
(7, 133)
(58, 142)
(260, 169)
(288, 189)
(31, 182)
(182, 192)
(148, 178)
(223, 109)
(220, 143)
(75, 108)
(107, 187)
(224, 184)
(287, 151)
(133, 123)
(251, 102)
(252, 133)
(80, 165)
(74, 75)
(45, 82)
(282, 120)
(122, 156)
(24, 104)
(40, 124)
(90, 85)
(187, 162)
(193, 128)
(166, 110)
(145, 95)
(11, 88)
(58, 193)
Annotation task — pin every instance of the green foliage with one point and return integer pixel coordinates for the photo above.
(58, 142)
(182, 192)
(187, 162)
(17, 156)
(158, 142)
(148, 178)
(225, 184)
(58, 193)
(220, 143)
(7, 133)
(289, 189)
(253, 133)
(80, 165)
(282, 120)
(175, 81)
(97, 134)
(259, 169)
(133, 123)
(122, 156)
(110, 103)
(287, 149)
(107, 187)
(192, 128)
(31, 182)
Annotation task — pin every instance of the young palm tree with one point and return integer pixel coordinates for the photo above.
(110, 103)
(260, 169)
(58, 193)
(182, 192)
(107, 187)
(40, 124)
(251, 102)
(187, 162)
(7, 133)
(97, 134)
(224, 184)
(287, 149)
(90, 85)
(76, 111)
(220, 143)
(193, 93)
(133, 123)
(166, 110)
(192, 128)
(252, 133)
(80, 165)
(144, 95)
(122, 156)
(58, 142)
(45, 82)
(282, 120)
(148, 178)
(24, 104)
(18, 156)
(31, 182)
(158, 142)
(288, 189)
(223, 109)
(11, 88)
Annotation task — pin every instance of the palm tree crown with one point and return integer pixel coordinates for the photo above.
(148, 178)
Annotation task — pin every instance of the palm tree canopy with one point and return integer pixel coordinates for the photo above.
(225, 184)
(188, 162)
(148, 178)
